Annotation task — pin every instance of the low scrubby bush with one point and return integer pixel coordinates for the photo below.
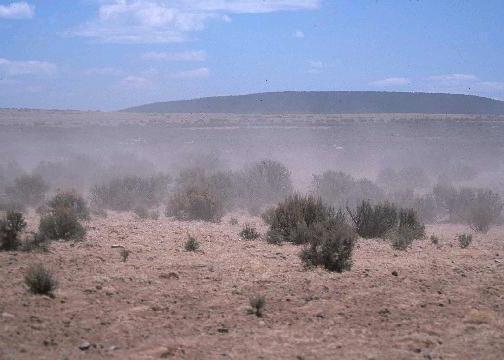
(339, 189)
(125, 194)
(28, 190)
(10, 229)
(61, 223)
(306, 220)
(374, 221)
(479, 208)
(72, 202)
(464, 240)
(40, 280)
(263, 183)
(296, 213)
(141, 212)
(330, 244)
(191, 244)
(257, 303)
(249, 233)
(484, 211)
(195, 204)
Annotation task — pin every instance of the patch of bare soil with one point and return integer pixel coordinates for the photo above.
(431, 302)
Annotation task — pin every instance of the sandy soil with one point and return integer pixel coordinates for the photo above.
(164, 302)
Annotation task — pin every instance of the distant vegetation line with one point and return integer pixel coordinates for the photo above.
(331, 102)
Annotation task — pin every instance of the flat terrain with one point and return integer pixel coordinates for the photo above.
(443, 303)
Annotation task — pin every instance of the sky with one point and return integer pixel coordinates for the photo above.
(112, 54)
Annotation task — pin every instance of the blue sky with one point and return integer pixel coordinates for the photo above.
(111, 54)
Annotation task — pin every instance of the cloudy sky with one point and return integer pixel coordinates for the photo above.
(111, 54)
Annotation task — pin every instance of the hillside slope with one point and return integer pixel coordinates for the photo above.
(330, 102)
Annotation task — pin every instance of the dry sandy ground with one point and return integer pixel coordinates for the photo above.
(164, 302)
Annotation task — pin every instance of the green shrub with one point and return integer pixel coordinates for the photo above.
(374, 221)
(195, 204)
(330, 245)
(409, 224)
(464, 240)
(233, 221)
(40, 280)
(484, 210)
(72, 202)
(191, 244)
(62, 223)
(296, 212)
(28, 190)
(274, 237)
(10, 227)
(249, 233)
(257, 303)
(401, 237)
(434, 239)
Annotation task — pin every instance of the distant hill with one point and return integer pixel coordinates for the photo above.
(330, 102)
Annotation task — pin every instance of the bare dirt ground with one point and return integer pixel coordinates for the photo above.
(443, 303)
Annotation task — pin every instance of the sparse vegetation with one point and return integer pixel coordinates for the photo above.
(125, 194)
(485, 210)
(191, 244)
(330, 244)
(339, 189)
(257, 303)
(40, 280)
(70, 201)
(434, 239)
(233, 221)
(62, 223)
(249, 233)
(374, 221)
(464, 240)
(28, 190)
(195, 204)
(141, 212)
(10, 229)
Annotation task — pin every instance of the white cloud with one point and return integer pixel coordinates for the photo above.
(163, 21)
(299, 34)
(195, 55)
(135, 82)
(17, 10)
(105, 71)
(10, 68)
(315, 67)
(392, 81)
(192, 74)
(454, 77)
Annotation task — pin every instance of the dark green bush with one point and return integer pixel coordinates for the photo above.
(191, 244)
(62, 223)
(195, 204)
(28, 190)
(374, 221)
(10, 228)
(257, 303)
(464, 240)
(249, 233)
(71, 201)
(330, 244)
(40, 280)
(295, 213)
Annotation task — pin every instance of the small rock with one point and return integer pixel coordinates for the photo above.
(395, 273)
(6, 315)
(84, 345)
(223, 330)
(113, 348)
